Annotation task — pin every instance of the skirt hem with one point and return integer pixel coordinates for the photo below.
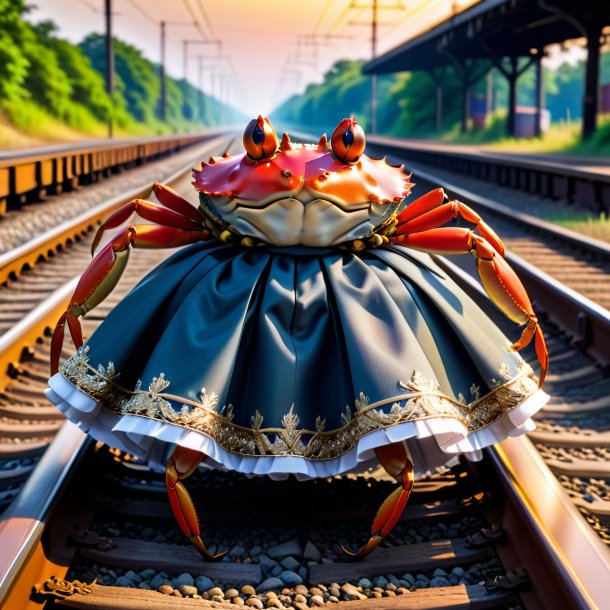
(432, 442)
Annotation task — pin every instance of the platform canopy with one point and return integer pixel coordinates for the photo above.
(494, 30)
(504, 28)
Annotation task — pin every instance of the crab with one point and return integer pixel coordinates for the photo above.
(294, 183)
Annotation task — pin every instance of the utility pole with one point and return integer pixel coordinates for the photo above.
(109, 66)
(375, 8)
(163, 107)
(374, 76)
(200, 86)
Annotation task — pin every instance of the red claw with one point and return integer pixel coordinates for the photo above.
(178, 224)
(418, 227)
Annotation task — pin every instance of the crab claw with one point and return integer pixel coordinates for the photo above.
(348, 141)
(396, 462)
(181, 464)
(260, 139)
(106, 269)
(497, 276)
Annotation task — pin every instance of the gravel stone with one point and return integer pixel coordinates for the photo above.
(350, 592)
(188, 590)
(279, 551)
(248, 590)
(365, 583)
(144, 585)
(203, 584)
(254, 602)
(166, 589)
(216, 591)
(316, 591)
(231, 593)
(311, 552)
(136, 578)
(256, 550)
(270, 583)
(316, 600)
(148, 573)
(238, 601)
(301, 589)
(276, 571)
(299, 597)
(290, 578)
(267, 564)
(333, 599)
(237, 551)
(300, 606)
(184, 579)
(302, 572)
(458, 571)
(290, 563)
(439, 581)
(273, 602)
(380, 581)
(409, 578)
(123, 581)
(158, 580)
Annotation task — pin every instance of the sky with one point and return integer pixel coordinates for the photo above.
(268, 51)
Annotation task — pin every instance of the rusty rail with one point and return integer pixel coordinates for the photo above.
(586, 188)
(25, 177)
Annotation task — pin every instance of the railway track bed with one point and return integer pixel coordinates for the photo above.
(283, 546)
(115, 525)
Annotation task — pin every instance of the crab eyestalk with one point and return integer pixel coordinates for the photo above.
(260, 139)
(348, 141)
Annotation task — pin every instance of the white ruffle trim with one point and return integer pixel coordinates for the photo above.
(432, 442)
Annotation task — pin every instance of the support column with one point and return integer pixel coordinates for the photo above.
(590, 101)
(588, 18)
(539, 94)
(439, 78)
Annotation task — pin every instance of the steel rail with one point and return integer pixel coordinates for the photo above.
(586, 187)
(568, 541)
(587, 322)
(25, 174)
(23, 523)
(13, 261)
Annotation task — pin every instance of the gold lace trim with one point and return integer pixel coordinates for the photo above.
(421, 399)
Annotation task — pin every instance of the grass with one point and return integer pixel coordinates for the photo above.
(24, 124)
(562, 137)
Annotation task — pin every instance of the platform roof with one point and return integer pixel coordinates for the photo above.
(506, 27)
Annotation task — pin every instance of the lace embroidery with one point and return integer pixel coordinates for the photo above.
(422, 399)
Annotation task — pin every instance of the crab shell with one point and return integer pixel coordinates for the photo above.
(302, 194)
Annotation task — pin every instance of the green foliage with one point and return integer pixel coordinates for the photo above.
(47, 83)
(13, 63)
(407, 104)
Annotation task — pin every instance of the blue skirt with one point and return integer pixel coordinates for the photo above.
(297, 360)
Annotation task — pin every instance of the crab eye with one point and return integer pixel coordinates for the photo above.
(260, 140)
(348, 141)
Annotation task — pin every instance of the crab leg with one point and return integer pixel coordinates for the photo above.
(170, 199)
(181, 464)
(432, 210)
(396, 463)
(498, 278)
(149, 211)
(105, 270)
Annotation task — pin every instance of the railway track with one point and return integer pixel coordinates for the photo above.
(29, 300)
(109, 490)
